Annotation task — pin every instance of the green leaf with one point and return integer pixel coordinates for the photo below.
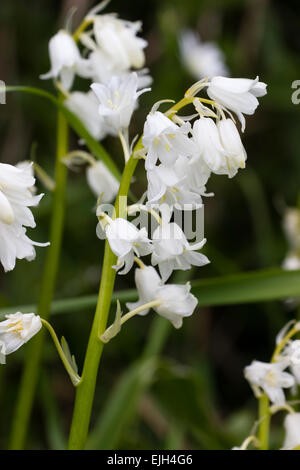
(69, 356)
(95, 147)
(75, 304)
(257, 286)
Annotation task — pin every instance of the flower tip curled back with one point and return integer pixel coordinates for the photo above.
(237, 94)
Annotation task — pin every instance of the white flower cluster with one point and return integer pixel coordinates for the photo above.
(111, 51)
(272, 377)
(16, 197)
(179, 159)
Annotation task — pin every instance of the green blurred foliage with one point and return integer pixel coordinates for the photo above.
(198, 395)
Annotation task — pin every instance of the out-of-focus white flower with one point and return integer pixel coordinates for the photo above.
(237, 94)
(102, 181)
(291, 262)
(209, 146)
(164, 140)
(16, 330)
(169, 185)
(176, 300)
(172, 251)
(15, 199)
(117, 40)
(202, 59)
(85, 106)
(292, 431)
(291, 227)
(270, 378)
(235, 152)
(65, 59)
(117, 101)
(126, 241)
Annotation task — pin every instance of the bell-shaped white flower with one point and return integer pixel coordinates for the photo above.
(176, 300)
(172, 251)
(117, 101)
(271, 378)
(164, 140)
(65, 59)
(202, 59)
(15, 199)
(234, 150)
(292, 431)
(16, 330)
(237, 94)
(209, 147)
(102, 181)
(127, 241)
(166, 185)
(85, 106)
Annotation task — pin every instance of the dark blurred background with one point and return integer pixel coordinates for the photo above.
(202, 364)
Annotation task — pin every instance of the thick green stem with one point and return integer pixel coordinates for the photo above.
(264, 425)
(86, 389)
(34, 352)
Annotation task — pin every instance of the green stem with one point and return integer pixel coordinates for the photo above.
(86, 389)
(34, 352)
(264, 420)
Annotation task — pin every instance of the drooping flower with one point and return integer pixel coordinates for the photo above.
(271, 378)
(172, 251)
(208, 144)
(164, 140)
(117, 101)
(234, 150)
(202, 59)
(126, 241)
(15, 199)
(16, 330)
(292, 431)
(85, 106)
(176, 300)
(65, 59)
(102, 181)
(237, 94)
